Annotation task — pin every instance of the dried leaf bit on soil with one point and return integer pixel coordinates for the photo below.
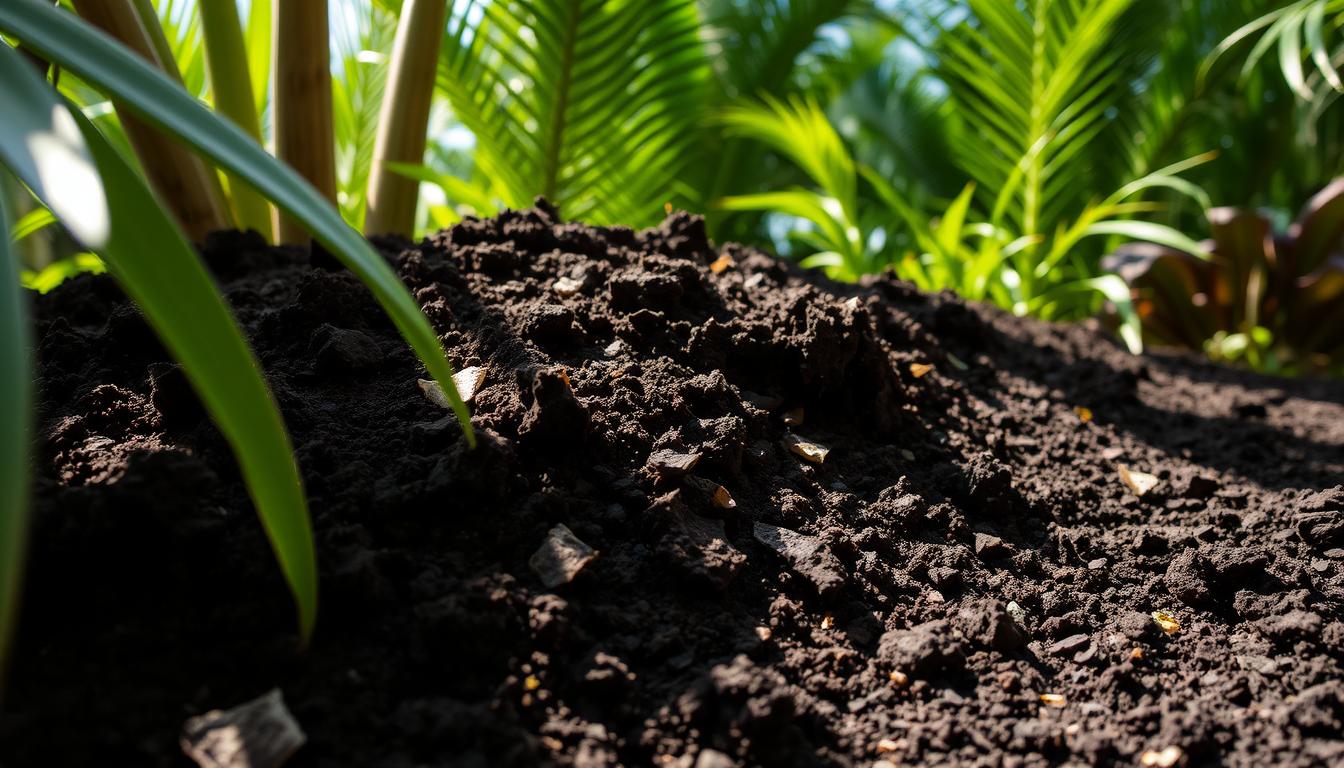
(670, 463)
(560, 557)
(1167, 622)
(467, 381)
(813, 452)
(259, 734)
(1054, 699)
(1138, 482)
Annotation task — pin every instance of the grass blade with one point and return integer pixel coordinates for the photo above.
(157, 267)
(15, 433)
(30, 223)
(1151, 232)
(107, 66)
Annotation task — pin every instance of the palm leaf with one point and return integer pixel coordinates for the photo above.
(360, 42)
(595, 104)
(757, 45)
(1035, 85)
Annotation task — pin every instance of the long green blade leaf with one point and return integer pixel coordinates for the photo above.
(157, 267)
(15, 428)
(104, 64)
(1153, 233)
(155, 264)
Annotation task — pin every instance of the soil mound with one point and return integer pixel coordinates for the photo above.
(723, 512)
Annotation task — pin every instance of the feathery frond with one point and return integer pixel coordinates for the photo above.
(595, 104)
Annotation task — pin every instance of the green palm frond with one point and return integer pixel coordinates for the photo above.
(1298, 33)
(595, 104)
(1036, 86)
(361, 39)
(757, 44)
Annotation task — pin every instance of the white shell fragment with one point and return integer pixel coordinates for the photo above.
(565, 287)
(813, 452)
(259, 734)
(1162, 758)
(560, 557)
(467, 381)
(1138, 482)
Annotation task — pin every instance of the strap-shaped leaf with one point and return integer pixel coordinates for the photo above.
(97, 59)
(154, 263)
(15, 430)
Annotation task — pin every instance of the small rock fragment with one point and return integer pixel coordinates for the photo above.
(988, 546)
(988, 623)
(565, 287)
(808, 555)
(1138, 482)
(1070, 644)
(560, 557)
(697, 547)
(259, 734)
(670, 463)
(813, 452)
(345, 350)
(924, 649)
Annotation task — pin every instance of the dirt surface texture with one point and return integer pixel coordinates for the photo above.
(722, 513)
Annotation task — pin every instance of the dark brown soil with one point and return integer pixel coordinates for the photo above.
(966, 547)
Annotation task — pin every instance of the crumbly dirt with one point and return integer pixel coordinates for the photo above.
(963, 578)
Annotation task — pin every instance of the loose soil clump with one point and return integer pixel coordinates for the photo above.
(722, 512)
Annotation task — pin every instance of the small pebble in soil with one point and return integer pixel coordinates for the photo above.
(560, 557)
(259, 734)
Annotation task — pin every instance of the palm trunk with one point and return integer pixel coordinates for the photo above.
(404, 117)
(302, 106)
(231, 84)
(184, 183)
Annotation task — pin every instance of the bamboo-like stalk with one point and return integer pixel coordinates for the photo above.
(231, 84)
(149, 18)
(183, 182)
(302, 108)
(404, 117)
